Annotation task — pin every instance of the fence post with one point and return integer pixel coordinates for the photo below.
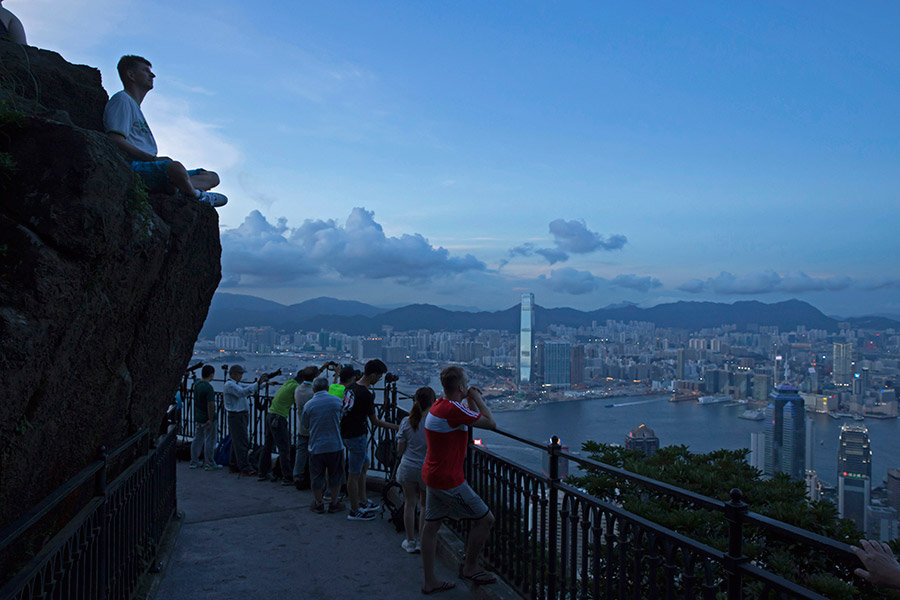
(103, 533)
(553, 517)
(734, 514)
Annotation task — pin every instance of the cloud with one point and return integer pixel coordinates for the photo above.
(260, 253)
(575, 237)
(526, 249)
(635, 282)
(881, 284)
(765, 282)
(553, 255)
(571, 281)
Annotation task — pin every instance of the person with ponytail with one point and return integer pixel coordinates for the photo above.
(411, 446)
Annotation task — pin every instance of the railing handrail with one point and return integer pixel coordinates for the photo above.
(10, 533)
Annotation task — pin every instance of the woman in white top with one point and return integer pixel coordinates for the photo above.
(412, 446)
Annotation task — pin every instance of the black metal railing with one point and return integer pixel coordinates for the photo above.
(105, 548)
(553, 540)
(385, 407)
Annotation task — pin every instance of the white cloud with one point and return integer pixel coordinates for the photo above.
(765, 282)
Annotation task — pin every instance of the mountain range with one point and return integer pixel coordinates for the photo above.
(233, 311)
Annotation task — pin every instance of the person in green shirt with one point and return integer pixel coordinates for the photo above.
(278, 432)
(346, 376)
(205, 431)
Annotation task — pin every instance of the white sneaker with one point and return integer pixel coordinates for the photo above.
(410, 547)
(213, 199)
(368, 506)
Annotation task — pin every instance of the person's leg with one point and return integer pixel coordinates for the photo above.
(361, 486)
(179, 177)
(477, 536)
(209, 450)
(203, 179)
(421, 510)
(283, 443)
(317, 475)
(354, 471)
(410, 493)
(429, 549)
(335, 479)
(197, 443)
(233, 423)
(301, 457)
(265, 457)
(240, 441)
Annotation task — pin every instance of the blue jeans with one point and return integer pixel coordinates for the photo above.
(357, 454)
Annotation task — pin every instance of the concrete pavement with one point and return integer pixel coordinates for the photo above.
(245, 539)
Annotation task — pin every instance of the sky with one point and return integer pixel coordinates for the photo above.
(464, 153)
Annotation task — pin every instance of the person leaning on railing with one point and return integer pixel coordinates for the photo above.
(881, 568)
(302, 393)
(204, 421)
(237, 406)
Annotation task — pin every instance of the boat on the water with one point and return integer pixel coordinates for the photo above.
(753, 414)
(714, 399)
(684, 396)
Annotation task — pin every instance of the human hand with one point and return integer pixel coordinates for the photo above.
(264, 378)
(881, 568)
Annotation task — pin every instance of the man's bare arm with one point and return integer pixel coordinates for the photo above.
(379, 423)
(476, 402)
(130, 150)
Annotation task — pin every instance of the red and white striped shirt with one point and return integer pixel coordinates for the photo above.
(446, 430)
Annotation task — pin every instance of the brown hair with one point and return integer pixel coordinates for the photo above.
(129, 62)
(422, 401)
(451, 378)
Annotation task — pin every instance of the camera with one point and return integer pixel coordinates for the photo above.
(390, 378)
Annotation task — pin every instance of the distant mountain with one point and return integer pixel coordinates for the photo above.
(356, 318)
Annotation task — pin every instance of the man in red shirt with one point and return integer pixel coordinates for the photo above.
(447, 493)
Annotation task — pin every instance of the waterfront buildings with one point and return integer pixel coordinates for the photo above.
(526, 339)
(642, 438)
(556, 360)
(785, 433)
(854, 474)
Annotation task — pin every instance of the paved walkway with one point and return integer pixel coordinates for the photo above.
(247, 539)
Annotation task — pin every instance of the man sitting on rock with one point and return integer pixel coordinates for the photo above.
(127, 128)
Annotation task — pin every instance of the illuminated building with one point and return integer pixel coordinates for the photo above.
(854, 473)
(785, 433)
(526, 339)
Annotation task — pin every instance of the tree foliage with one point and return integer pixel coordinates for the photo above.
(715, 474)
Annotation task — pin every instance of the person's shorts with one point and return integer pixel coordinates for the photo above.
(458, 503)
(410, 473)
(327, 461)
(153, 173)
(357, 454)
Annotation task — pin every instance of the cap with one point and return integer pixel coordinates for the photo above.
(235, 369)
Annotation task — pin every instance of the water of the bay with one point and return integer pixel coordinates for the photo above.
(700, 427)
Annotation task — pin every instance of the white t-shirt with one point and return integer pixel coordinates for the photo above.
(123, 116)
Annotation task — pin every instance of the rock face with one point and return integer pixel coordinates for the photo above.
(103, 289)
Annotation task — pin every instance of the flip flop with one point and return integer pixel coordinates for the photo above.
(479, 578)
(445, 586)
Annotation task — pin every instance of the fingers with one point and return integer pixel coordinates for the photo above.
(861, 573)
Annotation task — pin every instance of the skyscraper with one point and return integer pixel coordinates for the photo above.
(526, 339)
(854, 473)
(557, 364)
(843, 359)
(577, 377)
(785, 433)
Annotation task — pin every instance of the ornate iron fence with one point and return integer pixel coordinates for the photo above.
(553, 540)
(103, 550)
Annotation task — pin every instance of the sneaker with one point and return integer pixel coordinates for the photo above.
(368, 506)
(317, 507)
(339, 507)
(287, 482)
(263, 478)
(213, 199)
(249, 473)
(410, 547)
(195, 466)
(359, 515)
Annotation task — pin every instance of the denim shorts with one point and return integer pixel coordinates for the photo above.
(153, 173)
(357, 454)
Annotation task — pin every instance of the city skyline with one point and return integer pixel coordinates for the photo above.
(459, 154)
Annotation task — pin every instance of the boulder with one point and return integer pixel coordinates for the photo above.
(103, 288)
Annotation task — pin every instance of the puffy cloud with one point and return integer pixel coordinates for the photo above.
(575, 237)
(765, 282)
(553, 255)
(636, 282)
(526, 249)
(259, 252)
(571, 281)
(881, 284)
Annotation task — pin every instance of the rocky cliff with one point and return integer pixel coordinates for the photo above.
(103, 288)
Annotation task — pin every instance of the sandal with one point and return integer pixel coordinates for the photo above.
(479, 578)
(445, 586)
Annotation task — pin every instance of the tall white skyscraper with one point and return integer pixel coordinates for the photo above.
(526, 339)
(854, 475)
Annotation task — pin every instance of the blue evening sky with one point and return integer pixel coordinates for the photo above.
(461, 153)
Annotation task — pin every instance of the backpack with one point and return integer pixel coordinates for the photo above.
(223, 451)
(392, 501)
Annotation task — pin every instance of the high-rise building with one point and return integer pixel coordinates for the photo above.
(757, 457)
(812, 478)
(854, 473)
(679, 366)
(761, 386)
(577, 377)
(843, 362)
(785, 433)
(526, 339)
(557, 364)
(642, 438)
(893, 488)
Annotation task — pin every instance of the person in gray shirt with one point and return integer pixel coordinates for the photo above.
(322, 417)
(412, 447)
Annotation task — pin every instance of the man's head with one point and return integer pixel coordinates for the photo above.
(347, 375)
(307, 374)
(453, 379)
(208, 372)
(320, 384)
(236, 372)
(375, 367)
(135, 70)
